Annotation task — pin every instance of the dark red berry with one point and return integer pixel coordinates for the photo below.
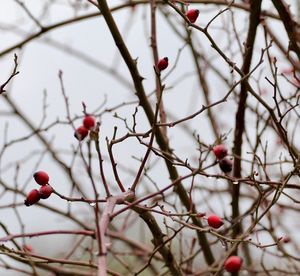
(41, 177)
(214, 221)
(32, 198)
(192, 15)
(45, 191)
(81, 133)
(286, 239)
(201, 215)
(220, 151)
(233, 264)
(163, 64)
(225, 165)
(88, 122)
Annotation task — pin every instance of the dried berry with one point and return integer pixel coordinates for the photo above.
(225, 165)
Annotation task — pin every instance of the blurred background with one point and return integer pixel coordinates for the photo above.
(34, 114)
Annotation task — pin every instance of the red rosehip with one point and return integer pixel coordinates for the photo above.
(214, 221)
(88, 122)
(225, 165)
(233, 264)
(220, 151)
(27, 248)
(81, 133)
(286, 239)
(163, 64)
(32, 198)
(41, 177)
(45, 191)
(192, 15)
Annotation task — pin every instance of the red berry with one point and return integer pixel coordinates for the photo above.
(214, 221)
(32, 198)
(88, 122)
(45, 191)
(201, 215)
(220, 151)
(286, 239)
(81, 133)
(225, 165)
(41, 177)
(233, 264)
(162, 63)
(27, 248)
(192, 15)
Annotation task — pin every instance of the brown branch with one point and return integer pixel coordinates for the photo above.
(163, 144)
(103, 226)
(159, 241)
(14, 73)
(46, 233)
(203, 84)
(95, 135)
(289, 24)
(159, 89)
(254, 20)
(64, 23)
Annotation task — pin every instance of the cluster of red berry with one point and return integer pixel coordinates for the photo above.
(41, 178)
(192, 16)
(225, 163)
(88, 123)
